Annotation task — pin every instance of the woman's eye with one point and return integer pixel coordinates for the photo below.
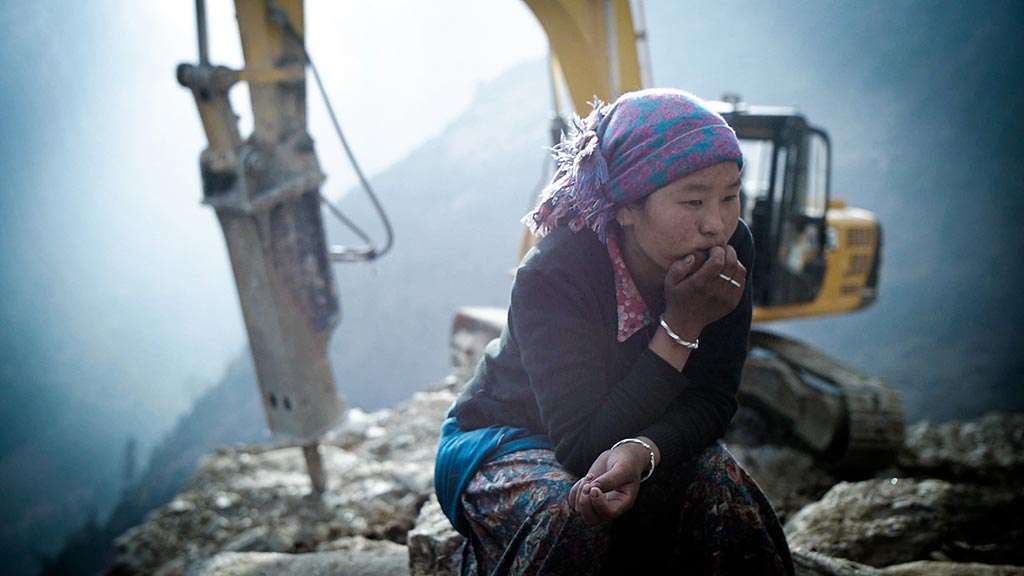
(693, 203)
(730, 198)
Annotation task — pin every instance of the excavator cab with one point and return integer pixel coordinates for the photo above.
(785, 192)
(815, 256)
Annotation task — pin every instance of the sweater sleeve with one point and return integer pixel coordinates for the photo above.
(565, 350)
(701, 413)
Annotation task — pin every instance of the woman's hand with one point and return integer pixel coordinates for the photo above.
(611, 485)
(698, 290)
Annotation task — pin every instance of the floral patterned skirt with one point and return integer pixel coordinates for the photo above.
(706, 516)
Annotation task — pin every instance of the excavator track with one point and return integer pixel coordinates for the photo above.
(852, 420)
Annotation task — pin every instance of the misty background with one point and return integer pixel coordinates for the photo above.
(119, 314)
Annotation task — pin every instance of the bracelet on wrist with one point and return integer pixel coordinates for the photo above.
(691, 345)
(645, 445)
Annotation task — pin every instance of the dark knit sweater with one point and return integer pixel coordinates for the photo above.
(558, 368)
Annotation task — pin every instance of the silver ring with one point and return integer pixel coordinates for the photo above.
(729, 280)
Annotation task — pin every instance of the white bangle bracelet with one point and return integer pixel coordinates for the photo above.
(645, 445)
(691, 345)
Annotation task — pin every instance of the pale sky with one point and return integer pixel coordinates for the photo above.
(397, 71)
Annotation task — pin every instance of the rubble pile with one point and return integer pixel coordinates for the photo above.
(951, 505)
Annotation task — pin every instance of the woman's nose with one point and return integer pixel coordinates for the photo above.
(711, 222)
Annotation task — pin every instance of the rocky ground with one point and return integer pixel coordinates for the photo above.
(952, 505)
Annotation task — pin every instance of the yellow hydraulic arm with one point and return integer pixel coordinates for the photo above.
(593, 47)
(594, 54)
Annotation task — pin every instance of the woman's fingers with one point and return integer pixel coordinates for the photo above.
(731, 260)
(709, 292)
(599, 506)
(605, 497)
(577, 491)
(680, 269)
(712, 267)
(594, 506)
(723, 269)
(733, 272)
(716, 258)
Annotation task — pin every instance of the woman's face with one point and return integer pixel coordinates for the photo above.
(688, 216)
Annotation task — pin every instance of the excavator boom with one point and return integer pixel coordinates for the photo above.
(597, 38)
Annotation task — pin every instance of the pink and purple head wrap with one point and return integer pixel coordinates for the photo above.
(624, 151)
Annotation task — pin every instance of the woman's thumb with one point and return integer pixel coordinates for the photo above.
(680, 269)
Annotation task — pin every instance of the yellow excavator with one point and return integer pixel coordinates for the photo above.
(815, 255)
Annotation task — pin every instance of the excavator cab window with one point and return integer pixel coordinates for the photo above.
(785, 193)
(759, 204)
(801, 253)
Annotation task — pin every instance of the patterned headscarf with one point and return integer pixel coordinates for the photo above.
(624, 151)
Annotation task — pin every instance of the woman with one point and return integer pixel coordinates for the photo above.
(587, 441)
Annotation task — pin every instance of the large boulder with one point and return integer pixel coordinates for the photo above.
(936, 568)
(891, 521)
(435, 548)
(814, 564)
(361, 558)
(989, 449)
